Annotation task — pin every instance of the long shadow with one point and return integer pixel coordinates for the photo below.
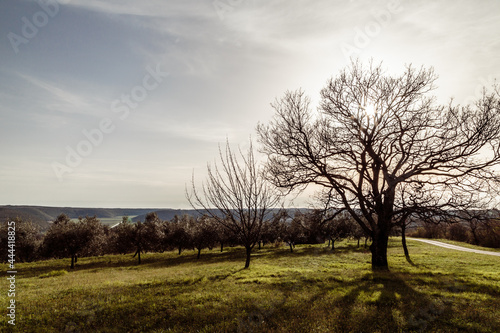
(305, 251)
(397, 305)
(388, 304)
(127, 261)
(156, 260)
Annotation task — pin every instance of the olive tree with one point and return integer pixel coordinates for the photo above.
(375, 134)
(67, 238)
(28, 239)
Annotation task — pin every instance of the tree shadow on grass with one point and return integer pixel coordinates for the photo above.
(126, 261)
(382, 301)
(373, 302)
(388, 302)
(163, 260)
(376, 302)
(317, 250)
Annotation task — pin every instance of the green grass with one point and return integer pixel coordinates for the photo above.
(53, 273)
(311, 290)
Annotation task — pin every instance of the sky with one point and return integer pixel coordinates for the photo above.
(117, 103)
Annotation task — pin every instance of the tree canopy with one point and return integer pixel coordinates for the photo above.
(382, 148)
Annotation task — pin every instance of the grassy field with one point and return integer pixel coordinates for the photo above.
(311, 290)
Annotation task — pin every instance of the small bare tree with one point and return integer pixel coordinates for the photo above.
(236, 196)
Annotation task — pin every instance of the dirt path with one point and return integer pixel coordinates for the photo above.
(455, 247)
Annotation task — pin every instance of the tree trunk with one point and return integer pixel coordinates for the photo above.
(259, 245)
(333, 244)
(199, 253)
(249, 251)
(473, 228)
(291, 247)
(329, 242)
(180, 249)
(366, 242)
(358, 242)
(138, 253)
(221, 246)
(72, 261)
(403, 240)
(378, 249)
(76, 258)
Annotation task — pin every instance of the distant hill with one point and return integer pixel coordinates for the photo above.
(166, 214)
(42, 215)
(26, 213)
(169, 214)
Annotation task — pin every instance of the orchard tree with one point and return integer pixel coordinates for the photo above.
(375, 134)
(202, 234)
(147, 236)
(66, 238)
(179, 236)
(294, 231)
(27, 240)
(122, 237)
(154, 233)
(275, 229)
(337, 228)
(236, 196)
(222, 234)
(99, 236)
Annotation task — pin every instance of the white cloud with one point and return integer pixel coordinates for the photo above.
(55, 98)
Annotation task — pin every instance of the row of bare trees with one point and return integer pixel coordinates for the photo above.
(379, 147)
(484, 233)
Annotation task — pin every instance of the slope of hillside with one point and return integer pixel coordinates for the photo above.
(32, 214)
(167, 214)
(43, 215)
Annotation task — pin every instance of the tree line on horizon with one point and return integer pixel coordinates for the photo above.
(88, 237)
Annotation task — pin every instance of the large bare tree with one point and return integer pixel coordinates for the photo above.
(237, 196)
(385, 149)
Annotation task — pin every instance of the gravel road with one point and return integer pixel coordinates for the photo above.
(454, 247)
